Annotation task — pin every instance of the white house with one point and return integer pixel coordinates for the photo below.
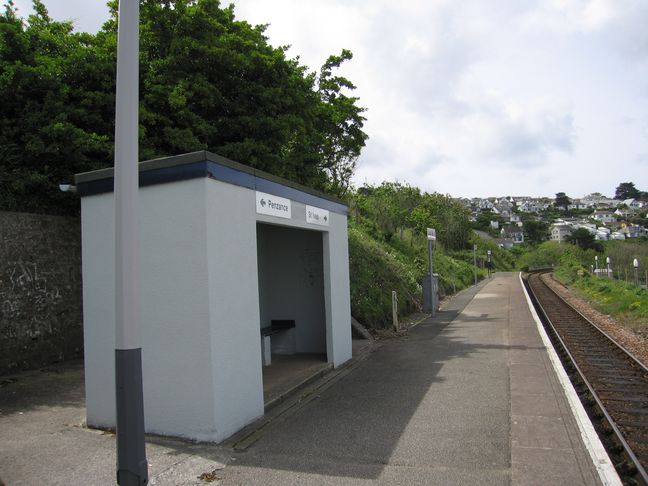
(633, 203)
(588, 226)
(560, 231)
(578, 204)
(603, 233)
(604, 216)
(514, 233)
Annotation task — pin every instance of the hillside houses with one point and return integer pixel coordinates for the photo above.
(561, 229)
(532, 206)
(605, 218)
(633, 231)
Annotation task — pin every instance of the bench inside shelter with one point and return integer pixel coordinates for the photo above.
(283, 342)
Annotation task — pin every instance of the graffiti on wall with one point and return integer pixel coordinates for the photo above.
(40, 290)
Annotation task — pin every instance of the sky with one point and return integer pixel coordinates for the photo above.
(474, 98)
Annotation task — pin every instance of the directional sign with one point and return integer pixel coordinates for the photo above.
(273, 205)
(431, 234)
(317, 216)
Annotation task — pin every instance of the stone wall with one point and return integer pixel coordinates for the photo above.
(40, 290)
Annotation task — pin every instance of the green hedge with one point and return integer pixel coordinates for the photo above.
(374, 272)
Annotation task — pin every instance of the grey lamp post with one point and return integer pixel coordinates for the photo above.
(132, 466)
(431, 236)
(608, 262)
(635, 264)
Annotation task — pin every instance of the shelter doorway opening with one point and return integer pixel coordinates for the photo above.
(292, 306)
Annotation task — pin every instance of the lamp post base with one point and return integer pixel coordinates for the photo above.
(132, 466)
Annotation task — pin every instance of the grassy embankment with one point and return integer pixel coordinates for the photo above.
(625, 301)
(377, 267)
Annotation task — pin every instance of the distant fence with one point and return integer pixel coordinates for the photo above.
(40, 290)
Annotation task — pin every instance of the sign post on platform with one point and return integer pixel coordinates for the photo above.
(475, 262)
(488, 263)
(132, 466)
(431, 236)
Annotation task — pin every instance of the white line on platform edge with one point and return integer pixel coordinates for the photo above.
(600, 458)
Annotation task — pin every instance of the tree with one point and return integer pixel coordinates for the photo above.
(55, 118)
(535, 231)
(582, 238)
(627, 190)
(340, 123)
(484, 218)
(392, 205)
(208, 81)
(211, 81)
(450, 219)
(562, 201)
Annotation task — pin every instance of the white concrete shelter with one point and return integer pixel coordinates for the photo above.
(225, 251)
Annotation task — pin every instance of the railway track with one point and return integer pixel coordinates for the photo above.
(612, 383)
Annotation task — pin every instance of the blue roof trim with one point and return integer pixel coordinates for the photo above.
(276, 189)
(147, 178)
(96, 187)
(229, 175)
(214, 170)
(171, 174)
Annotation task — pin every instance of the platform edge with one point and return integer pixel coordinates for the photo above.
(597, 452)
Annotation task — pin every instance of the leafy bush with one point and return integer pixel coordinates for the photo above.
(552, 254)
(374, 272)
(378, 266)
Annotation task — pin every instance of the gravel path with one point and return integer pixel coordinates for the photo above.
(633, 342)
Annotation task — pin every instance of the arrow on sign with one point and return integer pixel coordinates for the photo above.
(263, 203)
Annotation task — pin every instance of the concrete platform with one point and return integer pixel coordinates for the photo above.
(468, 397)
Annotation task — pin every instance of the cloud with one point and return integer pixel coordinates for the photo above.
(623, 21)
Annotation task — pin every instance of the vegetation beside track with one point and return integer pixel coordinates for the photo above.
(624, 300)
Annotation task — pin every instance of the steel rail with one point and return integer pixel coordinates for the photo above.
(641, 471)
